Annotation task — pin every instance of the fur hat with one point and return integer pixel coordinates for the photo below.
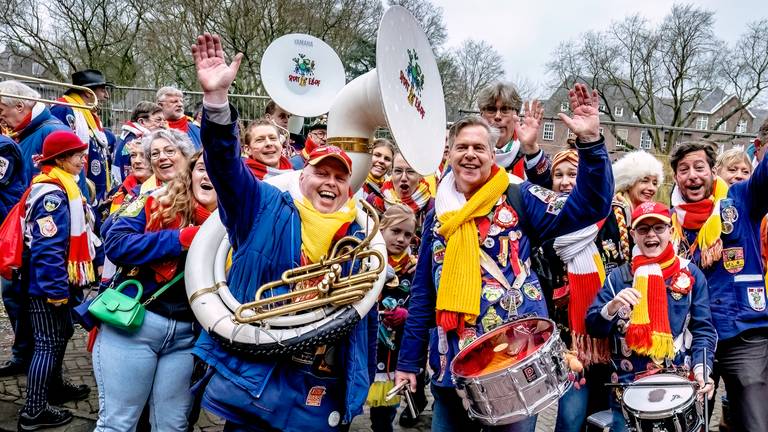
(633, 166)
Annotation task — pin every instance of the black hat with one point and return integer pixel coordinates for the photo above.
(320, 123)
(89, 78)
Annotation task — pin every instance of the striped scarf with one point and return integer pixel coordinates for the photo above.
(263, 172)
(81, 247)
(649, 332)
(416, 201)
(703, 216)
(399, 262)
(373, 184)
(87, 126)
(458, 295)
(586, 276)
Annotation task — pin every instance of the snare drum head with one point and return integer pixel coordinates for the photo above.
(658, 399)
(502, 347)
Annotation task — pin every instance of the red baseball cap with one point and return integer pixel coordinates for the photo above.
(61, 142)
(327, 151)
(650, 210)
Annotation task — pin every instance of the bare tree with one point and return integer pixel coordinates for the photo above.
(662, 73)
(477, 64)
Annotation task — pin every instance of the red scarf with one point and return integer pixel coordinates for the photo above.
(181, 124)
(166, 270)
(697, 213)
(309, 147)
(24, 123)
(649, 331)
(262, 171)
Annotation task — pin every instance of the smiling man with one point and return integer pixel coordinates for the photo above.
(171, 100)
(655, 311)
(479, 213)
(717, 227)
(320, 387)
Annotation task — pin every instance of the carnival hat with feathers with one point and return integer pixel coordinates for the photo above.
(633, 166)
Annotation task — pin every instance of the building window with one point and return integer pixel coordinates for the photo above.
(723, 127)
(603, 109)
(549, 132)
(601, 131)
(563, 106)
(571, 134)
(702, 122)
(622, 135)
(741, 127)
(618, 111)
(645, 140)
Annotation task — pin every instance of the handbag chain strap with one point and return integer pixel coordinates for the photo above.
(165, 287)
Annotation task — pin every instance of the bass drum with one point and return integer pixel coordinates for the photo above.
(213, 303)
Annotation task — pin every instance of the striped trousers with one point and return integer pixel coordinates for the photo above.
(52, 329)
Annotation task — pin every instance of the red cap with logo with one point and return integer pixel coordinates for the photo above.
(323, 152)
(650, 210)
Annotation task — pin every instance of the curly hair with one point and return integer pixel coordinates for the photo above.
(176, 200)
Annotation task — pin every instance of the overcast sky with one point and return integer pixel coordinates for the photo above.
(526, 32)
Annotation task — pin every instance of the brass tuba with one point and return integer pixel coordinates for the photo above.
(320, 303)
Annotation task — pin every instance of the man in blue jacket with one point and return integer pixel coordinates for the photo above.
(661, 292)
(720, 228)
(171, 100)
(87, 125)
(30, 123)
(273, 231)
(473, 272)
(12, 183)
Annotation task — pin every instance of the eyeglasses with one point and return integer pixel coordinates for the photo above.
(399, 172)
(319, 133)
(168, 152)
(645, 229)
(492, 110)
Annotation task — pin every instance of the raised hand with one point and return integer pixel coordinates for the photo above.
(527, 131)
(213, 73)
(585, 122)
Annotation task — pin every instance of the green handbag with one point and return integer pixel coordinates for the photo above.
(118, 310)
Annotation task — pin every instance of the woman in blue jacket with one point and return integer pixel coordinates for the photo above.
(148, 242)
(59, 249)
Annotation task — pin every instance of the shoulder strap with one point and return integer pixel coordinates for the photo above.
(515, 199)
(164, 288)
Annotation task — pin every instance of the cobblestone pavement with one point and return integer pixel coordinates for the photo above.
(77, 368)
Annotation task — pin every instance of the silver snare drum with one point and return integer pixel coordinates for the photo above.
(662, 408)
(512, 372)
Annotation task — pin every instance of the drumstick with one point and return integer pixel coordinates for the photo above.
(654, 384)
(706, 401)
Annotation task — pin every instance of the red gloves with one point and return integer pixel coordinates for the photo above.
(395, 318)
(186, 235)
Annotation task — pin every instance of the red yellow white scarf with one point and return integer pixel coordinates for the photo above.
(703, 216)
(416, 201)
(263, 172)
(81, 246)
(649, 332)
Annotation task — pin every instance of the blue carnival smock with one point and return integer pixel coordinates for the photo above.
(544, 215)
(127, 244)
(98, 154)
(736, 282)
(31, 139)
(264, 228)
(12, 180)
(690, 321)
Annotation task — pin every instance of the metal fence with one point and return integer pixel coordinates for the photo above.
(117, 110)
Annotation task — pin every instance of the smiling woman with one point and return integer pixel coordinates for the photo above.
(167, 152)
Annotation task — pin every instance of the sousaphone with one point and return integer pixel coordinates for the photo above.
(404, 94)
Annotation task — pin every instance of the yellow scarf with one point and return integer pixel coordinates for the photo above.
(318, 229)
(94, 125)
(460, 282)
(689, 216)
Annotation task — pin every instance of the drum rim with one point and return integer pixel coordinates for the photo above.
(555, 335)
(657, 415)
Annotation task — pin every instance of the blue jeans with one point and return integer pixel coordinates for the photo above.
(576, 405)
(16, 301)
(619, 422)
(153, 363)
(449, 415)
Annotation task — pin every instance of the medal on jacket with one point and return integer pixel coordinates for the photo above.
(682, 283)
(505, 216)
(503, 255)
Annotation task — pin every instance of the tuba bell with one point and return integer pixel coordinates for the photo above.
(321, 302)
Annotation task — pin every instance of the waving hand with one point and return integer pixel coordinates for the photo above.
(213, 73)
(585, 122)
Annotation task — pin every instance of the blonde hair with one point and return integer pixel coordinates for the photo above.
(732, 156)
(396, 214)
(176, 199)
